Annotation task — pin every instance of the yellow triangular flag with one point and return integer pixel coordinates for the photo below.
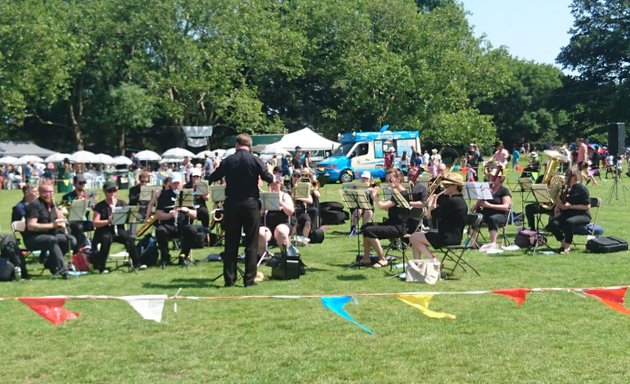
(66, 182)
(421, 302)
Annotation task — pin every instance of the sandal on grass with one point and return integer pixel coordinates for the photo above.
(365, 263)
(380, 264)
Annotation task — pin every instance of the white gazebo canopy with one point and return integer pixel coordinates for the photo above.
(305, 138)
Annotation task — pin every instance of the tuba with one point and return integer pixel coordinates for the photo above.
(554, 181)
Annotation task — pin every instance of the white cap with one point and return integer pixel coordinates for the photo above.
(177, 177)
(366, 175)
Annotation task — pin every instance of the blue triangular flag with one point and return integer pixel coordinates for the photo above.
(336, 304)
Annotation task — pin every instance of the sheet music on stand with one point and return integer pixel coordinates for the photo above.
(541, 194)
(270, 201)
(217, 193)
(400, 200)
(136, 214)
(120, 215)
(302, 191)
(354, 184)
(77, 211)
(356, 198)
(147, 192)
(201, 188)
(477, 191)
(526, 184)
(187, 198)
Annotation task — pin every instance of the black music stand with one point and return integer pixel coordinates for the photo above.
(126, 215)
(356, 199)
(543, 197)
(526, 187)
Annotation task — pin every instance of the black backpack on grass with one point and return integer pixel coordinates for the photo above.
(148, 251)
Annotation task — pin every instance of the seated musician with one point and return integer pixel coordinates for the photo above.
(134, 192)
(29, 192)
(105, 233)
(420, 196)
(46, 230)
(532, 166)
(200, 200)
(78, 229)
(307, 209)
(277, 223)
(449, 212)
(572, 211)
(495, 211)
(166, 184)
(394, 226)
(366, 215)
(18, 213)
(174, 222)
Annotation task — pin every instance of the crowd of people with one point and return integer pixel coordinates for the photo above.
(440, 223)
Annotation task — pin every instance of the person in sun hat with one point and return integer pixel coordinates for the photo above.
(449, 212)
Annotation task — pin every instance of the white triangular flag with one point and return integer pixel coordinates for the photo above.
(150, 307)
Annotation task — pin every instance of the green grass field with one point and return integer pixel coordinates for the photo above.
(556, 337)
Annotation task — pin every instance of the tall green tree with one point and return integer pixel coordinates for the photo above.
(599, 48)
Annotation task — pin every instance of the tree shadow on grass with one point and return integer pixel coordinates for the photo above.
(186, 283)
(351, 277)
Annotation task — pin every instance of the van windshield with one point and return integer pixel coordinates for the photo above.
(343, 149)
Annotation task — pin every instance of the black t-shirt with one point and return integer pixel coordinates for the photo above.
(105, 210)
(241, 171)
(166, 202)
(134, 195)
(577, 195)
(497, 198)
(44, 214)
(398, 215)
(450, 215)
(419, 192)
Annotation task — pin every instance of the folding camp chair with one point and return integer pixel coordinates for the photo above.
(589, 229)
(400, 244)
(19, 226)
(455, 253)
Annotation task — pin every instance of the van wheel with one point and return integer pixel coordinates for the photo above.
(346, 176)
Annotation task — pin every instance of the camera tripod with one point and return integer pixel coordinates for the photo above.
(614, 189)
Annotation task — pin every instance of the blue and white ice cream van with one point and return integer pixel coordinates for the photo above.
(365, 151)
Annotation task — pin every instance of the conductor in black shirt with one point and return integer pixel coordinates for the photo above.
(242, 207)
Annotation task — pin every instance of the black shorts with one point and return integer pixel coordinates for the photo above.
(380, 231)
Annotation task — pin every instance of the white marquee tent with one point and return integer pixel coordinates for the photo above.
(305, 138)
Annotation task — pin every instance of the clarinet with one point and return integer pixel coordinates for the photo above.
(57, 211)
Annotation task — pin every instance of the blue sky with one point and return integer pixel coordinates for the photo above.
(531, 29)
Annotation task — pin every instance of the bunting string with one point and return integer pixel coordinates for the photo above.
(150, 307)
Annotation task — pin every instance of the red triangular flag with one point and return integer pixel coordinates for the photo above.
(50, 308)
(519, 295)
(615, 295)
(611, 297)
